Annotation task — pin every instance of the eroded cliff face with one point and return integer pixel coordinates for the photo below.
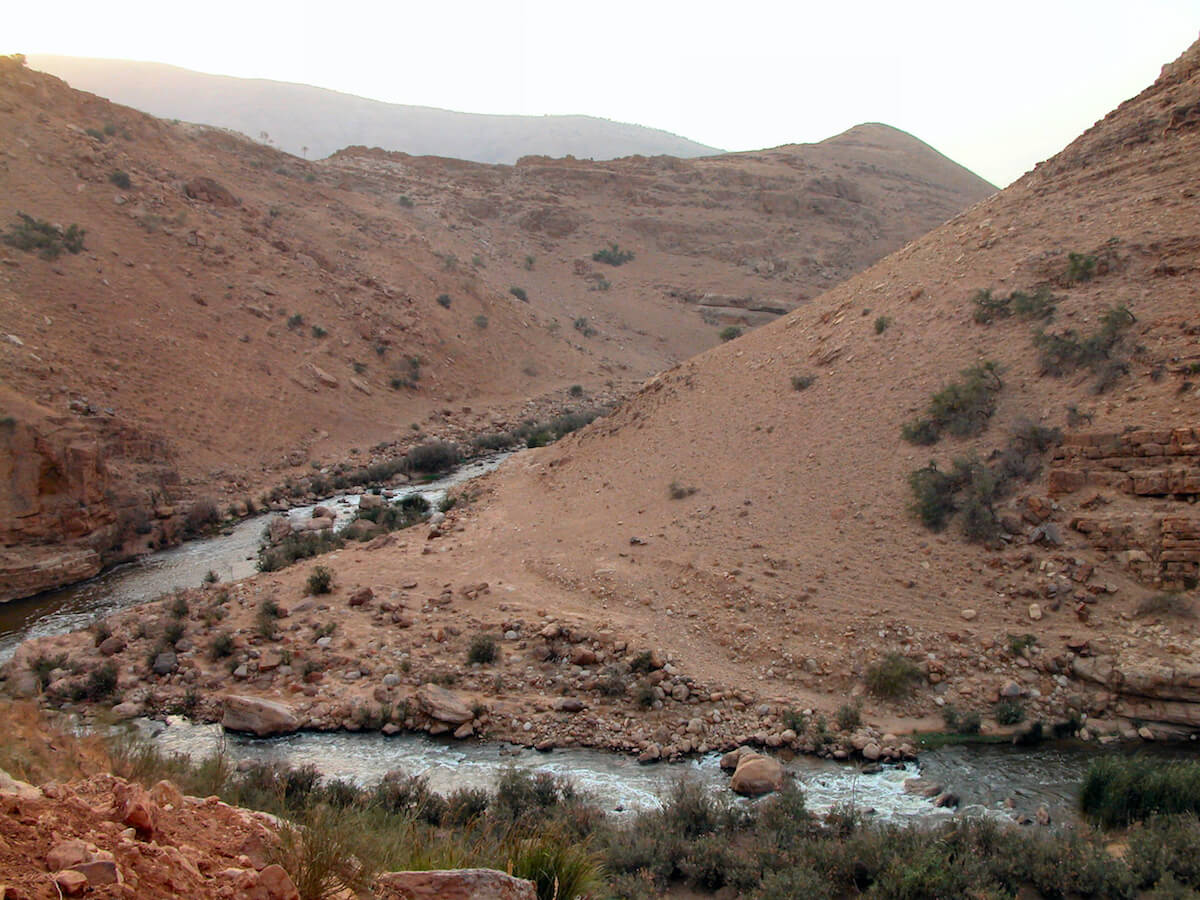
(79, 492)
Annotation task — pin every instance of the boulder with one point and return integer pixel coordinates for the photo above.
(444, 705)
(66, 854)
(279, 528)
(274, 884)
(112, 645)
(454, 884)
(756, 775)
(22, 790)
(71, 883)
(361, 597)
(165, 663)
(99, 871)
(370, 501)
(137, 810)
(257, 716)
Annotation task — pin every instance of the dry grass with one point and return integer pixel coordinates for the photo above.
(37, 751)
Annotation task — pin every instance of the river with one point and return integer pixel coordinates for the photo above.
(988, 779)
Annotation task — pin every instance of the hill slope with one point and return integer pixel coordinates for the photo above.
(239, 318)
(315, 121)
(761, 533)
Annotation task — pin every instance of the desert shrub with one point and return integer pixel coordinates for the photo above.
(978, 493)
(1165, 849)
(961, 408)
(465, 805)
(410, 797)
(101, 682)
(48, 240)
(678, 491)
(211, 577)
(730, 333)
(576, 390)
(881, 324)
(849, 716)
(495, 440)
(584, 327)
(1061, 354)
(1080, 267)
(644, 695)
(560, 870)
(101, 631)
(173, 632)
(1119, 790)
(1019, 643)
(1037, 305)
(1008, 712)
(933, 495)
(318, 850)
(483, 649)
(222, 646)
(178, 606)
(803, 382)
(528, 263)
(120, 179)
(481, 321)
(893, 677)
(613, 255)
(200, 515)
(521, 794)
(444, 301)
(1022, 456)
(1168, 604)
(433, 457)
(320, 580)
(612, 682)
(643, 662)
(304, 545)
(519, 293)
(405, 201)
(319, 332)
(295, 320)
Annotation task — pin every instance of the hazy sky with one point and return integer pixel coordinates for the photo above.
(995, 86)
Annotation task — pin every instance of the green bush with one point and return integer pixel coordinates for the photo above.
(304, 545)
(613, 255)
(803, 382)
(1061, 354)
(584, 327)
(1080, 267)
(481, 321)
(444, 301)
(893, 677)
(1119, 790)
(120, 179)
(1008, 712)
(849, 716)
(49, 241)
(519, 293)
(222, 646)
(962, 408)
(320, 580)
(881, 324)
(934, 494)
(730, 333)
(1168, 604)
(1038, 305)
(319, 332)
(433, 457)
(295, 320)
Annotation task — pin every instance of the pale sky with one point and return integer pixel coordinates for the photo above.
(996, 87)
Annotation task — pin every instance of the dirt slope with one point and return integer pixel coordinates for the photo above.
(790, 561)
(238, 317)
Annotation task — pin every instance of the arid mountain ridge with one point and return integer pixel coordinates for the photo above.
(315, 122)
(748, 515)
(240, 316)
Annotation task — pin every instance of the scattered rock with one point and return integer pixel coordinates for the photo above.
(260, 717)
(444, 705)
(454, 884)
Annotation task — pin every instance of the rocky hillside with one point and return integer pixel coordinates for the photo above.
(189, 317)
(314, 122)
(751, 511)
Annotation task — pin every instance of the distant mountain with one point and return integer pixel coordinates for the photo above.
(299, 116)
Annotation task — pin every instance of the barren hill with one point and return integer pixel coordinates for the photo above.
(302, 119)
(749, 510)
(237, 317)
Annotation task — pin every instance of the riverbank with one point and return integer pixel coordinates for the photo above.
(541, 827)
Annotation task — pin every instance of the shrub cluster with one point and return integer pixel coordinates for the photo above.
(1061, 354)
(1037, 305)
(961, 408)
(613, 255)
(49, 241)
(730, 333)
(893, 677)
(1118, 790)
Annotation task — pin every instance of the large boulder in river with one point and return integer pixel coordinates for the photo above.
(756, 775)
(260, 717)
(454, 884)
(444, 705)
